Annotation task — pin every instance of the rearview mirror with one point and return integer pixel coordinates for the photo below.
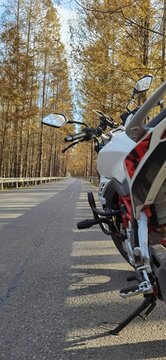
(55, 120)
(143, 84)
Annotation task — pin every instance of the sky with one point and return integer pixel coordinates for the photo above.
(66, 11)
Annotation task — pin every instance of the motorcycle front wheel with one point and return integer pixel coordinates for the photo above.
(118, 240)
(120, 245)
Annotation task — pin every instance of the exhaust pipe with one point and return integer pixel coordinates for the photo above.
(136, 127)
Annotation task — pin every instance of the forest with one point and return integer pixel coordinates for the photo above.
(112, 44)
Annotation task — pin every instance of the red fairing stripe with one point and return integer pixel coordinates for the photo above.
(134, 157)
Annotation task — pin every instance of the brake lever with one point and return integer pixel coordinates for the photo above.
(69, 146)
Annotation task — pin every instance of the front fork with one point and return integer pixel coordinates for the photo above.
(143, 241)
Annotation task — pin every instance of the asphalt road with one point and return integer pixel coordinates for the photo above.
(57, 284)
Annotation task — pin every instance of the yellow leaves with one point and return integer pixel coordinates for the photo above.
(118, 49)
(33, 68)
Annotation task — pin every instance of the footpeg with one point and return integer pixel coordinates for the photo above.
(143, 288)
(130, 291)
(131, 278)
(85, 224)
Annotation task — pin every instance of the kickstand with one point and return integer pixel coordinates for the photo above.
(149, 301)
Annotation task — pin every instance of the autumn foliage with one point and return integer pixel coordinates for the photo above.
(113, 43)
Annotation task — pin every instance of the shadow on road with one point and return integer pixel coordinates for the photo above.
(135, 351)
(95, 278)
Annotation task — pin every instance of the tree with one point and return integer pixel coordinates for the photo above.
(34, 80)
(114, 45)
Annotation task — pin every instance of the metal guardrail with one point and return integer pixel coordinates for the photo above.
(27, 181)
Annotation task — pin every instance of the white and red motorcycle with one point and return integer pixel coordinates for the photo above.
(132, 192)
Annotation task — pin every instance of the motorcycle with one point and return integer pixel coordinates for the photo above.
(132, 192)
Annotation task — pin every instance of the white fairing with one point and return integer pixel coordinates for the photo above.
(112, 155)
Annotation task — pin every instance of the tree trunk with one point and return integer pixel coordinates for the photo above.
(42, 115)
(163, 62)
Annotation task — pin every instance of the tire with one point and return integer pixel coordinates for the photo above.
(119, 243)
(120, 247)
(116, 239)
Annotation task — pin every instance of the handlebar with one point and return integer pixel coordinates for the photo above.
(87, 133)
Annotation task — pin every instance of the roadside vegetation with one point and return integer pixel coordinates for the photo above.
(113, 43)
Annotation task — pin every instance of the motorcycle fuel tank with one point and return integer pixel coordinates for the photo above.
(111, 157)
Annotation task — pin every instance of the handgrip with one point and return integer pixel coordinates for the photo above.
(73, 137)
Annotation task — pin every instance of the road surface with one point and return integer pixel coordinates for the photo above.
(57, 284)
